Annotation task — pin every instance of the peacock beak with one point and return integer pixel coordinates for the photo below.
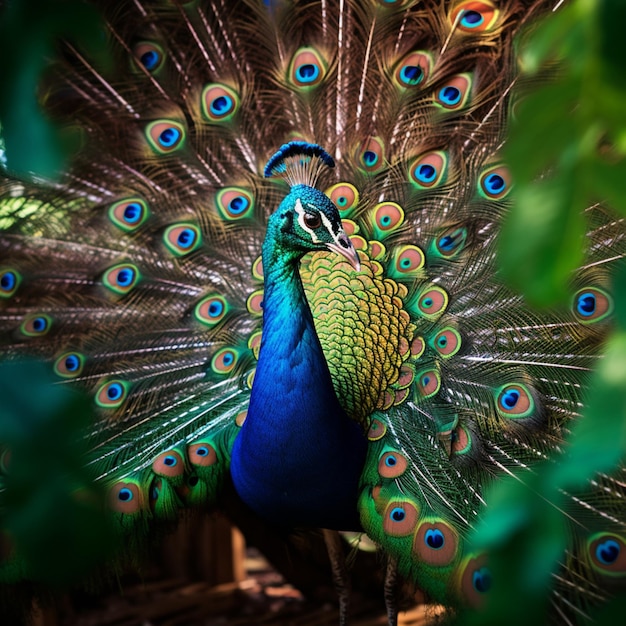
(343, 246)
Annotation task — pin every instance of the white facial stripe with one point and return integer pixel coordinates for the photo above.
(301, 212)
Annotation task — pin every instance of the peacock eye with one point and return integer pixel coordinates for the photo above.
(312, 220)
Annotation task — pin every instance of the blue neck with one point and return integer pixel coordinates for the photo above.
(298, 457)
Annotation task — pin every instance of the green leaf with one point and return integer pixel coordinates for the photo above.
(541, 242)
(598, 440)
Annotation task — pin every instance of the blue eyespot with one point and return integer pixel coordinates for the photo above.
(385, 220)
(307, 73)
(186, 238)
(442, 341)
(397, 514)
(39, 324)
(411, 74)
(427, 303)
(72, 362)
(125, 495)
(509, 399)
(448, 243)
(150, 59)
(426, 173)
(494, 183)
(481, 580)
(471, 19)
(238, 205)
(425, 381)
(115, 391)
(370, 158)
(132, 212)
(125, 277)
(202, 451)
(608, 551)
(169, 137)
(450, 95)
(222, 104)
(170, 461)
(586, 304)
(390, 460)
(228, 359)
(8, 281)
(434, 538)
(215, 308)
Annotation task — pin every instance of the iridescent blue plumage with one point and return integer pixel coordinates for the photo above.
(298, 457)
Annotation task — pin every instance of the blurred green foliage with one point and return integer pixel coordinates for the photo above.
(567, 146)
(51, 513)
(29, 33)
(566, 151)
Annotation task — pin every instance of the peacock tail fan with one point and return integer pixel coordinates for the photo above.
(138, 277)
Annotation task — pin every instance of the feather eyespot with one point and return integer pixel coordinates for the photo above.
(418, 346)
(112, 394)
(388, 216)
(451, 242)
(69, 365)
(607, 552)
(211, 310)
(431, 303)
(461, 441)
(344, 196)
(474, 16)
(408, 261)
(224, 361)
(429, 170)
(128, 214)
(121, 278)
(219, 103)
(447, 342)
(454, 94)
(149, 55)
(165, 136)
(400, 518)
(257, 268)
(125, 497)
(234, 203)
(515, 401)
(495, 183)
(307, 69)
(254, 343)
(201, 454)
(436, 543)
(376, 430)
(181, 239)
(592, 305)
(428, 383)
(476, 580)
(392, 465)
(371, 155)
(414, 69)
(36, 325)
(254, 304)
(9, 282)
(168, 464)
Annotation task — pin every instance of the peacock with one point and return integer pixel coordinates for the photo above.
(272, 263)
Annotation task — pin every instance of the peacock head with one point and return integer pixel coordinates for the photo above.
(306, 219)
